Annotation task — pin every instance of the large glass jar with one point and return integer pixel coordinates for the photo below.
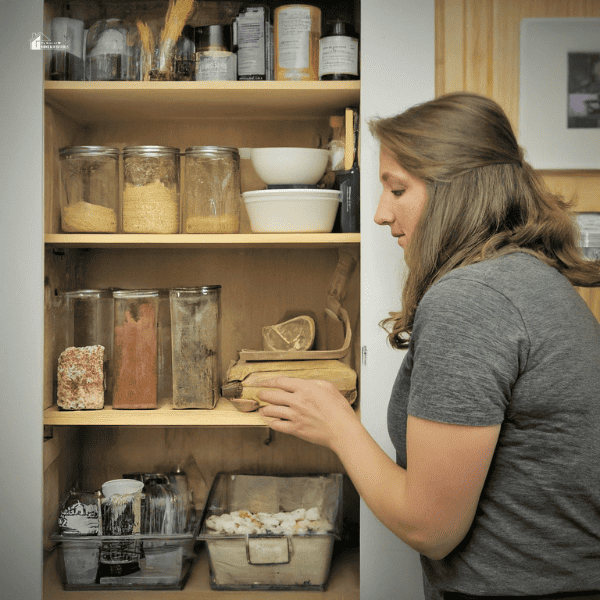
(212, 189)
(90, 316)
(112, 51)
(195, 331)
(89, 189)
(165, 355)
(135, 349)
(66, 62)
(150, 201)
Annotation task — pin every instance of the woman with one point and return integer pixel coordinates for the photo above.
(495, 411)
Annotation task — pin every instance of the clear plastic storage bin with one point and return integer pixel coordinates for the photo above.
(300, 518)
(164, 562)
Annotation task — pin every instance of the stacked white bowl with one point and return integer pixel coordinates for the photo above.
(292, 202)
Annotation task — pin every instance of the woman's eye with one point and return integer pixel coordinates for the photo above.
(398, 193)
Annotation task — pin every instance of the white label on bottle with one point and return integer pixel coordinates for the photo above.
(216, 68)
(251, 42)
(293, 26)
(338, 54)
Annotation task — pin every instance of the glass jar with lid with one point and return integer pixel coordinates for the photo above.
(150, 202)
(89, 195)
(195, 331)
(135, 349)
(212, 190)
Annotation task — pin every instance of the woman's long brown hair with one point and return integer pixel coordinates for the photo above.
(484, 200)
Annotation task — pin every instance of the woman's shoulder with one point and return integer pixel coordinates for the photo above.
(516, 273)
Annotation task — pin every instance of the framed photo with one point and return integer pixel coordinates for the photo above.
(559, 98)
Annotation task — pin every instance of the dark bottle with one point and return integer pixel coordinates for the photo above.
(338, 52)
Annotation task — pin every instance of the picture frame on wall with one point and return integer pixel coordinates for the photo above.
(559, 99)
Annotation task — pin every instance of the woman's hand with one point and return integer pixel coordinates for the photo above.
(312, 410)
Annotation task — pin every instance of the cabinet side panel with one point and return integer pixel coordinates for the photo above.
(59, 131)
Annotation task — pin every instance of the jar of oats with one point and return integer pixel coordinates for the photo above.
(212, 189)
(89, 192)
(150, 202)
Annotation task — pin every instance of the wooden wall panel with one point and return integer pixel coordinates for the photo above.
(477, 50)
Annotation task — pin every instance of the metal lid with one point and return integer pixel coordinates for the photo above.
(204, 290)
(210, 151)
(135, 294)
(339, 27)
(88, 293)
(149, 151)
(213, 37)
(88, 151)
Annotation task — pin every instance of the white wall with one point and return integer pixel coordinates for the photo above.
(21, 274)
(397, 53)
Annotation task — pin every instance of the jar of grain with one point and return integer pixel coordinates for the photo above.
(195, 331)
(90, 316)
(89, 192)
(135, 349)
(150, 201)
(212, 189)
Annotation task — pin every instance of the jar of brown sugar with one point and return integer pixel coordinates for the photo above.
(212, 189)
(150, 201)
(135, 349)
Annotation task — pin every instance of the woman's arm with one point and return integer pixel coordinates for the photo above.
(431, 504)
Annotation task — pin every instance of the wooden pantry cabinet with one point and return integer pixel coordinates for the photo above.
(264, 279)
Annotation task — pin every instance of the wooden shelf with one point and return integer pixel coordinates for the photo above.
(224, 414)
(192, 240)
(101, 101)
(343, 584)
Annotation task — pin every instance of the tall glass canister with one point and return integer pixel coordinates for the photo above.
(89, 189)
(165, 355)
(212, 189)
(195, 331)
(90, 316)
(150, 201)
(135, 349)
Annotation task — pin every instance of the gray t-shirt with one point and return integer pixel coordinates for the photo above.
(510, 341)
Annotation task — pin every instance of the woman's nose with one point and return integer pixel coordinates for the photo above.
(383, 215)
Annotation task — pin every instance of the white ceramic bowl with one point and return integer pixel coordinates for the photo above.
(292, 211)
(121, 487)
(291, 166)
